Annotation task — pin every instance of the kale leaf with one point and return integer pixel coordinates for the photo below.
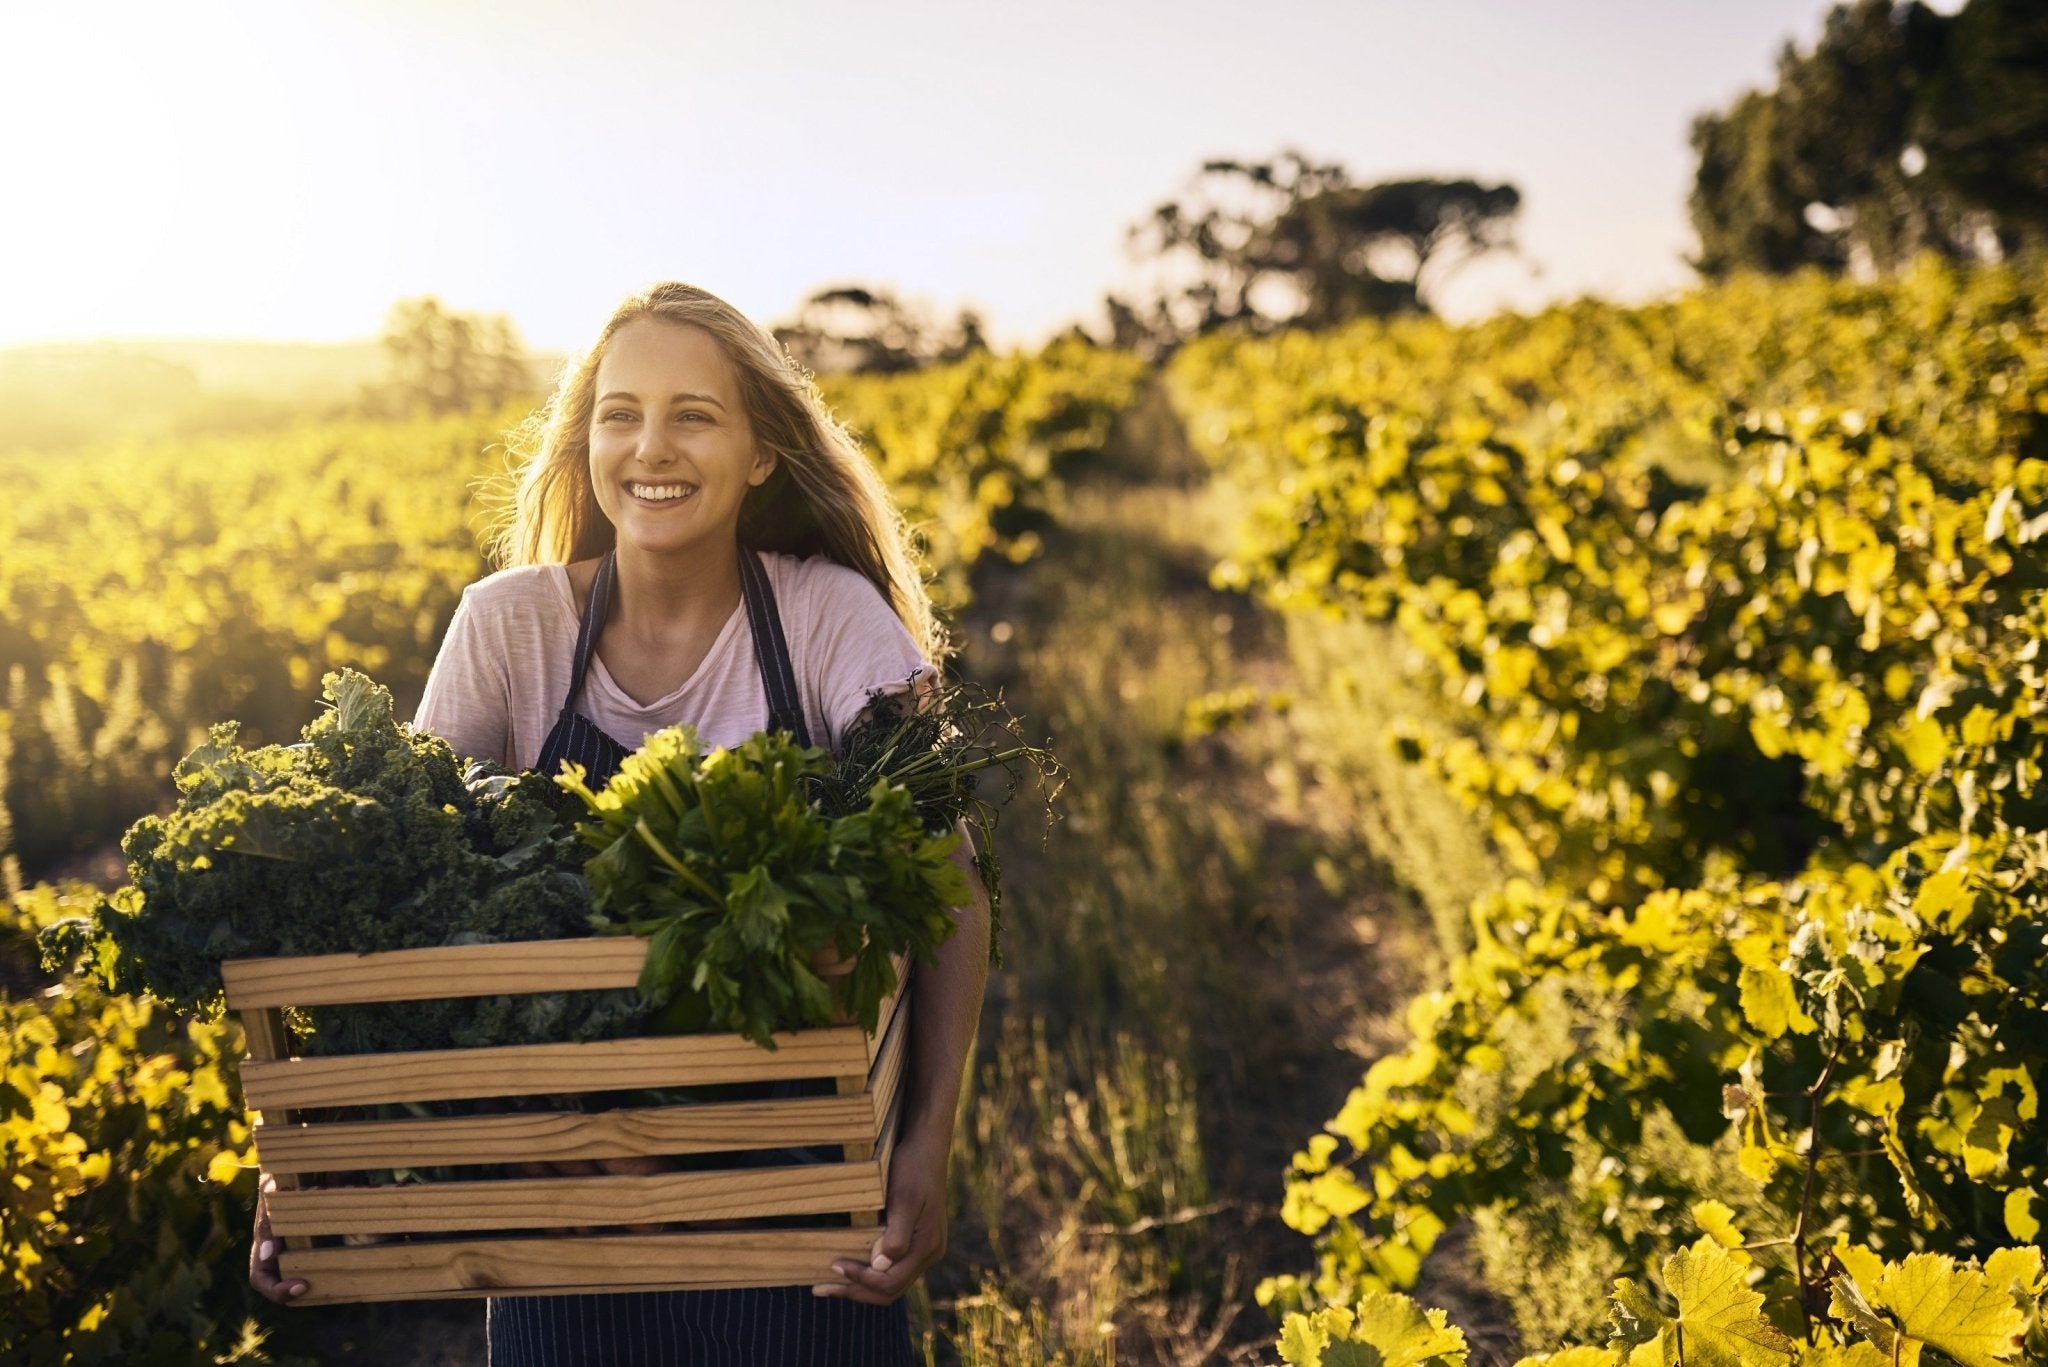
(367, 835)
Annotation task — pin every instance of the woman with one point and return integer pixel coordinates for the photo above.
(695, 540)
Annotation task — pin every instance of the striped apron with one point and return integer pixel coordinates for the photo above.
(772, 1326)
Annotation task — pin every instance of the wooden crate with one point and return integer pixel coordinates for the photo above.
(513, 1236)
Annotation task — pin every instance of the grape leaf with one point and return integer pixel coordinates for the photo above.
(1573, 1357)
(1956, 1309)
(1719, 1321)
(1848, 1304)
(2021, 1219)
(1380, 1329)
(1768, 1003)
(1302, 1340)
(1853, 1355)
(2017, 1268)
(1717, 1221)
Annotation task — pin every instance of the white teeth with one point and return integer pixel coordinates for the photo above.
(659, 493)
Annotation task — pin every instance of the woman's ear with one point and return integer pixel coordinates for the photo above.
(764, 466)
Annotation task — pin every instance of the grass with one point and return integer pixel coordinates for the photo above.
(1203, 954)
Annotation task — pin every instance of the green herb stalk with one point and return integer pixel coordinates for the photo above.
(745, 883)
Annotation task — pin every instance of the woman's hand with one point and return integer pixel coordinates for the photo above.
(914, 1227)
(263, 1273)
(945, 1003)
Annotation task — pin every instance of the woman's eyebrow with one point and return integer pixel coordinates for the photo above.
(680, 398)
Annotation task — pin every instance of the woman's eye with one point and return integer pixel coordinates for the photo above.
(618, 413)
(694, 413)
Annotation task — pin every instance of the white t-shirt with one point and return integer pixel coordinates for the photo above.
(504, 666)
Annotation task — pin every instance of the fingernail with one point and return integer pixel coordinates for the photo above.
(819, 1291)
(267, 1251)
(883, 1262)
(296, 1290)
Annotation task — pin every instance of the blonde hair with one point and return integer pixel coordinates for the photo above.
(824, 498)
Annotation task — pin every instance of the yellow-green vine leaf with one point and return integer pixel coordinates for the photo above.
(1573, 1357)
(1917, 1203)
(1766, 999)
(1866, 1267)
(1303, 1338)
(1956, 1309)
(1858, 1354)
(1717, 1221)
(1719, 1323)
(1380, 1329)
(1924, 743)
(1848, 1304)
(1635, 1315)
(2022, 1219)
(2019, 1270)
(1722, 1318)
(1930, 1301)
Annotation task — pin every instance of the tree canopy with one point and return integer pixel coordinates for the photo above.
(853, 329)
(441, 361)
(1293, 242)
(1901, 131)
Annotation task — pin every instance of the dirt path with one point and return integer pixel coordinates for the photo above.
(1189, 899)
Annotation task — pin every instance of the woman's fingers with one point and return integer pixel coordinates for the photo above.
(903, 1253)
(263, 1246)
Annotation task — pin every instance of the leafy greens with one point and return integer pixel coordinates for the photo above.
(745, 884)
(367, 835)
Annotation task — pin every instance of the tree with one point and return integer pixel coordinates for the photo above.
(1984, 123)
(445, 362)
(852, 329)
(1902, 131)
(1290, 242)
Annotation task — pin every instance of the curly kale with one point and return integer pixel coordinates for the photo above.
(367, 835)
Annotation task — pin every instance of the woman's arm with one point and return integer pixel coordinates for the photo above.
(945, 1006)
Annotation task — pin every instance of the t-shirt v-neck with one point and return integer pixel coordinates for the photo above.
(498, 681)
(620, 700)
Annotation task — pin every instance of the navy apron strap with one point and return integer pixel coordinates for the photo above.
(574, 736)
(771, 649)
(596, 608)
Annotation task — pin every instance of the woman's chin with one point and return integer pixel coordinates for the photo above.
(668, 533)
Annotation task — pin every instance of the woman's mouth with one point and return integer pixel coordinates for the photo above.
(660, 495)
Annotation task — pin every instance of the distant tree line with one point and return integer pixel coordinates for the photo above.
(441, 361)
(1290, 242)
(1286, 242)
(853, 329)
(1901, 131)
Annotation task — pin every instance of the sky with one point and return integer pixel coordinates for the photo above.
(289, 170)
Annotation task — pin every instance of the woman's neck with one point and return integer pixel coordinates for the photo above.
(660, 597)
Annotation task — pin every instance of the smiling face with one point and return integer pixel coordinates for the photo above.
(672, 453)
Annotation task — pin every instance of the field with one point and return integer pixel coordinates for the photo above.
(1555, 833)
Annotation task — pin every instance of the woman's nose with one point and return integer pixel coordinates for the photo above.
(654, 445)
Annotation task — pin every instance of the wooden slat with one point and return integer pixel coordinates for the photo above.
(714, 1127)
(564, 1202)
(542, 1069)
(888, 1071)
(442, 971)
(890, 1004)
(596, 962)
(447, 1269)
(265, 1037)
(892, 1122)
